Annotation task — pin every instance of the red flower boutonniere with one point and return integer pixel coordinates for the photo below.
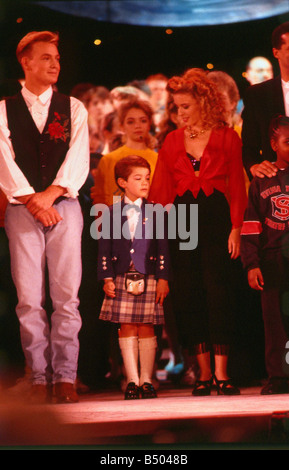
(58, 128)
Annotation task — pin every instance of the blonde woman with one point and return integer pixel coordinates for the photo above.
(201, 163)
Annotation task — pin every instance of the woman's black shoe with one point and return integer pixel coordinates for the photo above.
(202, 388)
(147, 391)
(226, 387)
(132, 392)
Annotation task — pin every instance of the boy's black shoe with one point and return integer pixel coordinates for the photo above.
(148, 391)
(132, 392)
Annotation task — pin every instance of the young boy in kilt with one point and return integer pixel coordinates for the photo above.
(133, 262)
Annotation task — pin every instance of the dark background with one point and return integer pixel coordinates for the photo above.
(132, 52)
(127, 53)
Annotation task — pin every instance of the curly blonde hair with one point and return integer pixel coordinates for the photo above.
(196, 83)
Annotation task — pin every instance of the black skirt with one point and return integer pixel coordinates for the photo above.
(201, 288)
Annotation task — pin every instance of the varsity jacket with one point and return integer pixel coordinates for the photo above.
(266, 220)
(116, 251)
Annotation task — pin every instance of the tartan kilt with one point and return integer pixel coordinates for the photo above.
(128, 308)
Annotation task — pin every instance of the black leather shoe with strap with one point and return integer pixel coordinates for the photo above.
(148, 391)
(132, 392)
(202, 388)
(226, 387)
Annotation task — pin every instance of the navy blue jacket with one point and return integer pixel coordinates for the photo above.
(148, 252)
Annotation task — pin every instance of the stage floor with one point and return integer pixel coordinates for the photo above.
(175, 418)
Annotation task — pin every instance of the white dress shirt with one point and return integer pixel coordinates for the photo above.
(133, 215)
(132, 219)
(285, 88)
(74, 170)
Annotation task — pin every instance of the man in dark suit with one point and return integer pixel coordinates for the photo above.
(261, 103)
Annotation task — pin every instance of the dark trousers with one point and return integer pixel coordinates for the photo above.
(275, 307)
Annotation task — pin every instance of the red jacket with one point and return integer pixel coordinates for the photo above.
(221, 169)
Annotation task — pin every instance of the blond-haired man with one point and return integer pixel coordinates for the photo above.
(44, 160)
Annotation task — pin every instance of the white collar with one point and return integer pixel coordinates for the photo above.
(137, 202)
(44, 98)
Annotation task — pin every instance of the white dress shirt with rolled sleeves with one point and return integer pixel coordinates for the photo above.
(74, 170)
(285, 88)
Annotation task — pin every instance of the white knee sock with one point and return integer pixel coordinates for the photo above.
(147, 354)
(129, 352)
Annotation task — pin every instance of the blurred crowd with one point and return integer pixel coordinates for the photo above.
(109, 131)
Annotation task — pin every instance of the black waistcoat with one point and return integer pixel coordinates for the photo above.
(39, 155)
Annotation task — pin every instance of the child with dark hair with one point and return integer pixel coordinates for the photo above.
(265, 254)
(135, 271)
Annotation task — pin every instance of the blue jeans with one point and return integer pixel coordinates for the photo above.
(50, 348)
